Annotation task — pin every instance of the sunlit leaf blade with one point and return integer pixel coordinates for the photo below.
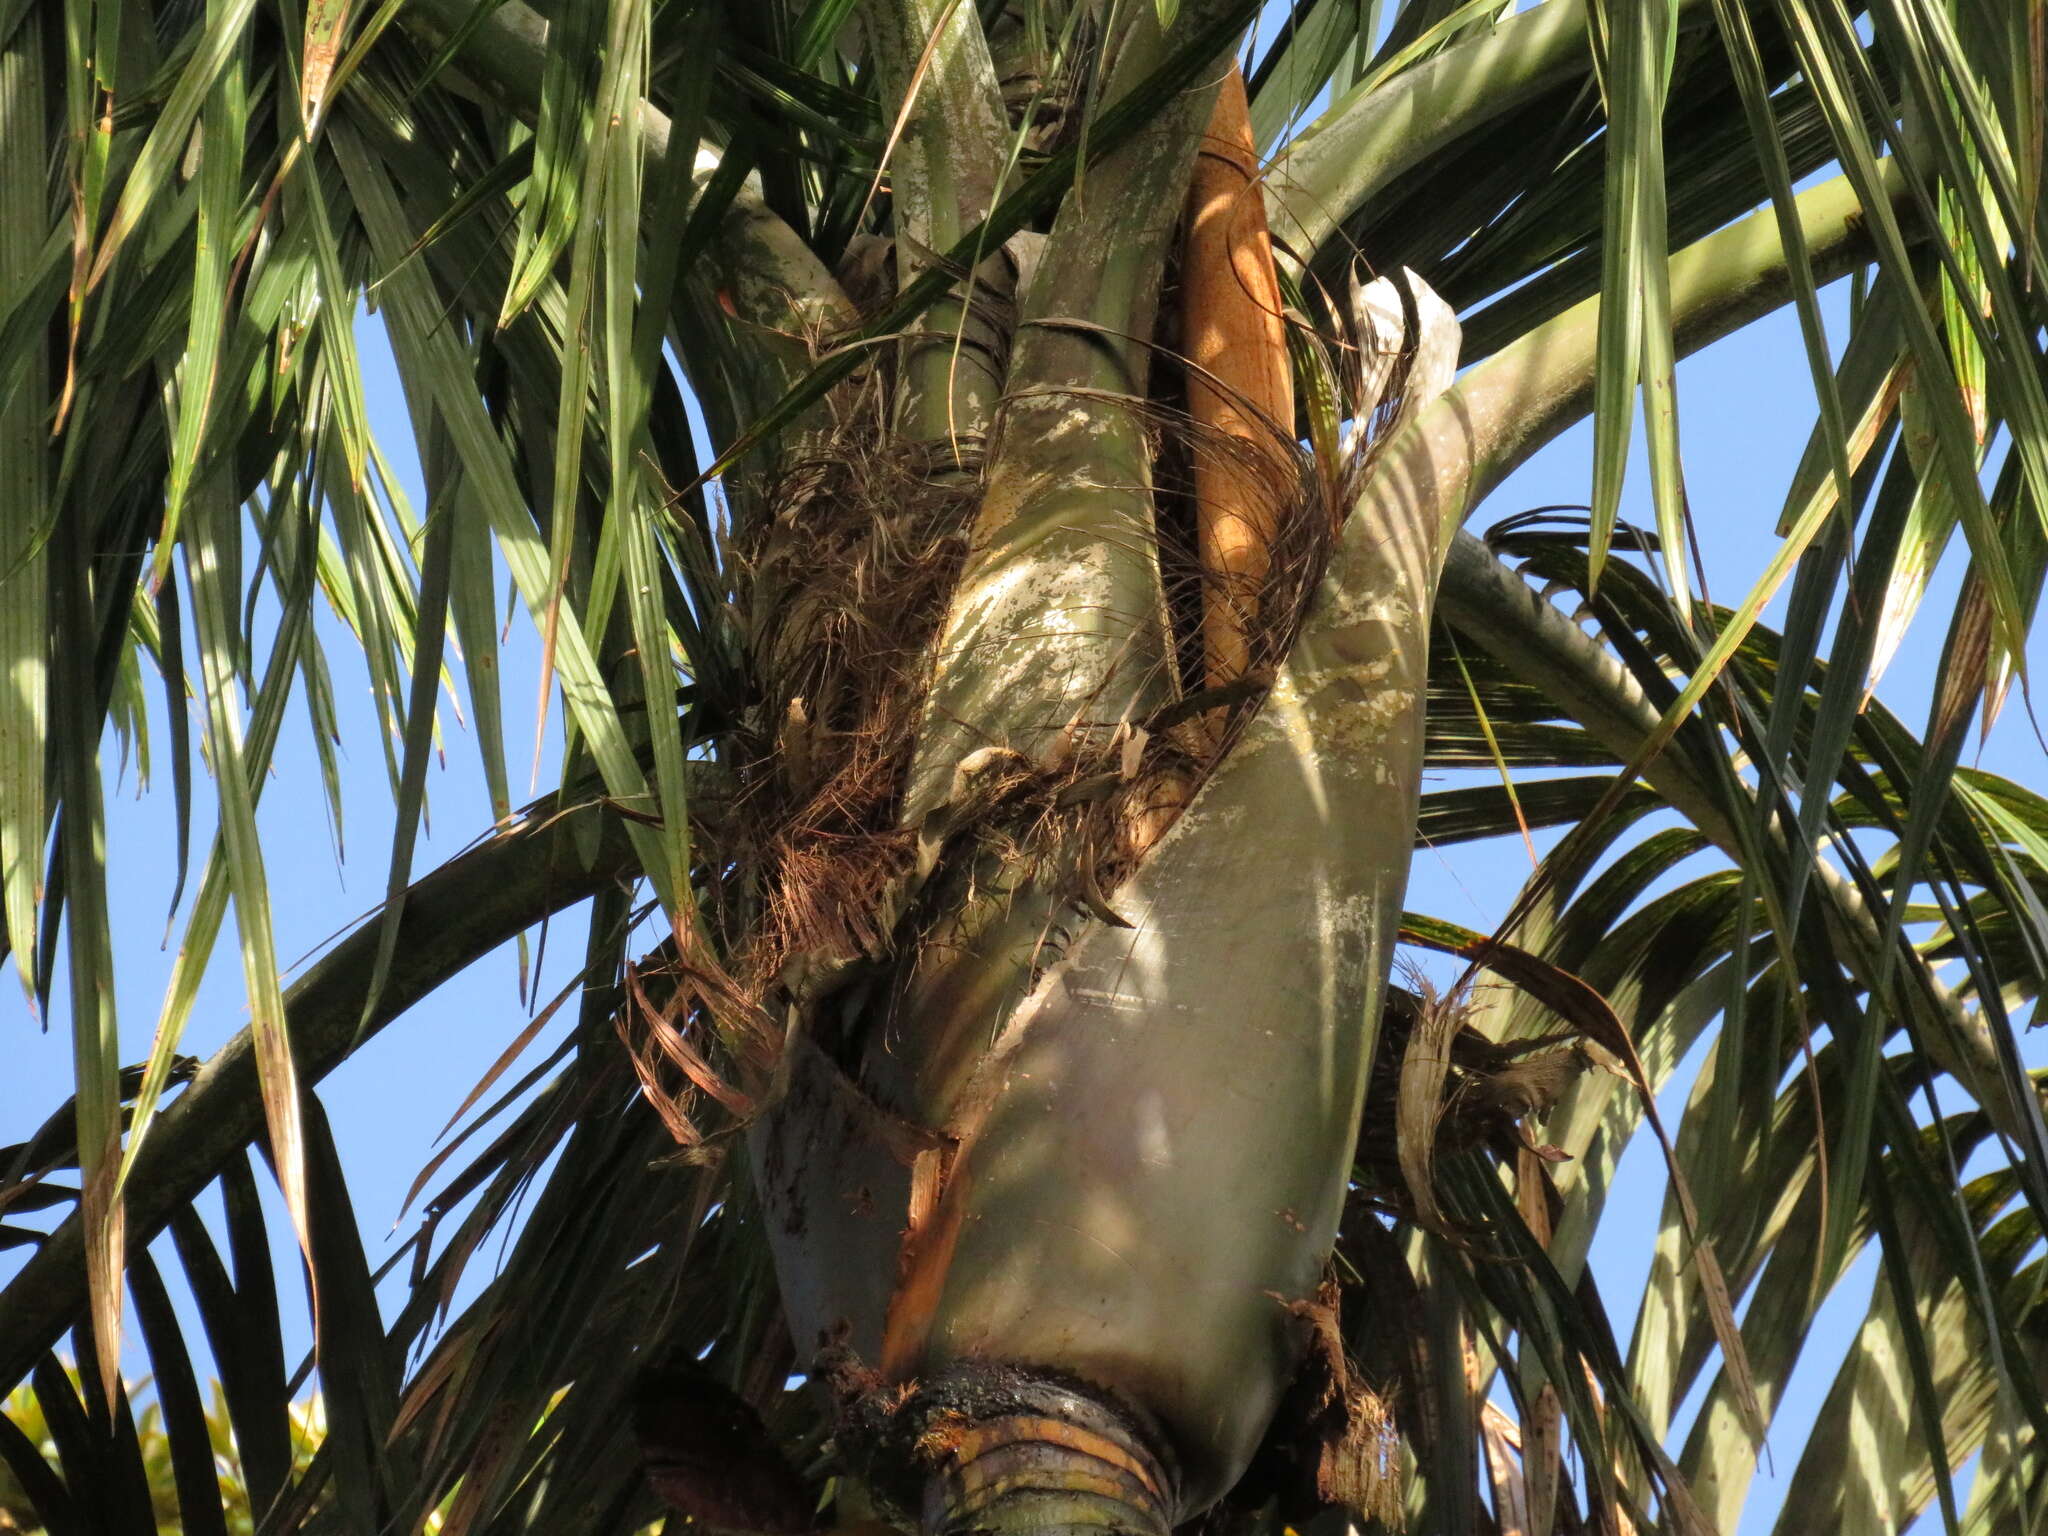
(288, 649)
(1739, 39)
(24, 511)
(1799, 1278)
(169, 137)
(430, 357)
(223, 129)
(435, 562)
(1433, 28)
(1870, 1460)
(602, 256)
(95, 1034)
(476, 630)
(1632, 46)
(568, 122)
(1867, 384)
(1831, 67)
(1930, 525)
(212, 587)
(631, 360)
(337, 316)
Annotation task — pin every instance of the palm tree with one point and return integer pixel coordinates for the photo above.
(1013, 706)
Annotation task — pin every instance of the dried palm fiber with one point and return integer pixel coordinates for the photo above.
(838, 587)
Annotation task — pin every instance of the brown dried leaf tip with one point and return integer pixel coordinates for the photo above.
(1440, 1086)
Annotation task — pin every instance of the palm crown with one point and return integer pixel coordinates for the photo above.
(1014, 701)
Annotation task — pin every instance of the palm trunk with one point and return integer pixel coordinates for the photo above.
(1016, 1196)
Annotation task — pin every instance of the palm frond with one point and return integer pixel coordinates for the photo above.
(644, 269)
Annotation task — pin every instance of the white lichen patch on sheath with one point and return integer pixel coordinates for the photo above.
(1070, 418)
(1340, 913)
(1057, 429)
(1208, 817)
(1339, 611)
(1020, 605)
(1353, 732)
(1048, 630)
(1154, 1140)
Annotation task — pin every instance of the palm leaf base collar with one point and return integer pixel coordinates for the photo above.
(987, 1447)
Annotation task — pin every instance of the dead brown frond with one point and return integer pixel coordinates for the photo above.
(1439, 1086)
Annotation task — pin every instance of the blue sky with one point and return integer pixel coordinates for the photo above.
(1745, 412)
